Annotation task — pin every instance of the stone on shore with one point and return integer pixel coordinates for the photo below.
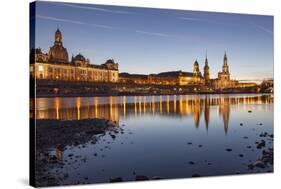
(141, 178)
(116, 179)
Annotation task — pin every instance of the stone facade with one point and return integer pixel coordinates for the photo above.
(223, 80)
(56, 66)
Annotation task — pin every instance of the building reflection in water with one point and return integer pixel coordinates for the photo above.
(115, 108)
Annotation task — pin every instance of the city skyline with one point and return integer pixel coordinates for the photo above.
(170, 39)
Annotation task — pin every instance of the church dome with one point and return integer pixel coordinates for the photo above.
(196, 63)
(110, 61)
(57, 53)
(80, 57)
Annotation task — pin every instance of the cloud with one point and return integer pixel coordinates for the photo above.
(262, 28)
(153, 33)
(213, 21)
(197, 19)
(156, 34)
(102, 26)
(75, 22)
(94, 8)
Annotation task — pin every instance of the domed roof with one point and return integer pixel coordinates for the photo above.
(196, 63)
(110, 61)
(58, 54)
(80, 57)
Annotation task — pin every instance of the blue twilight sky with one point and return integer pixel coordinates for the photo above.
(145, 40)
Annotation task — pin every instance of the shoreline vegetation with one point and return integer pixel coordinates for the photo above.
(58, 135)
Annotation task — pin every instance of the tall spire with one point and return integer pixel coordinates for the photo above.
(206, 70)
(225, 68)
(225, 57)
(206, 59)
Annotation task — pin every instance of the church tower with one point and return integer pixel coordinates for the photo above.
(206, 71)
(58, 38)
(57, 53)
(196, 71)
(225, 68)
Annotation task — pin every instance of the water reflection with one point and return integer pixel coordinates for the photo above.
(124, 107)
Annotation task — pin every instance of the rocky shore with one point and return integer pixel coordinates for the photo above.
(60, 134)
(55, 137)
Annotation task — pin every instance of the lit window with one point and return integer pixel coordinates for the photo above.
(40, 68)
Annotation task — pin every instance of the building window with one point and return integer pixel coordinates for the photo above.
(40, 68)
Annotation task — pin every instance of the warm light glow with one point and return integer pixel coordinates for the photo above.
(110, 108)
(124, 106)
(175, 103)
(78, 105)
(192, 106)
(168, 104)
(96, 107)
(40, 68)
(57, 104)
(135, 102)
(160, 104)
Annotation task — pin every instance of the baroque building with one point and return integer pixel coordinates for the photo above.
(166, 78)
(57, 53)
(223, 80)
(55, 65)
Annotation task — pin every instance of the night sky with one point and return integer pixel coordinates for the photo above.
(156, 40)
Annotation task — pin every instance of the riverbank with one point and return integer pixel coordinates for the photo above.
(49, 88)
(56, 136)
(138, 94)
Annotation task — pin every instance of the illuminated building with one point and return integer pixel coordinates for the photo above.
(165, 78)
(223, 81)
(56, 66)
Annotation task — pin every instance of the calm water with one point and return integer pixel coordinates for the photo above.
(157, 130)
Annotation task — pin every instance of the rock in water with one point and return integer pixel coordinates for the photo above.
(116, 179)
(156, 178)
(195, 175)
(191, 163)
(259, 164)
(141, 177)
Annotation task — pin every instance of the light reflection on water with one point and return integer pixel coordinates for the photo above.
(157, 130)
(123, 107)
